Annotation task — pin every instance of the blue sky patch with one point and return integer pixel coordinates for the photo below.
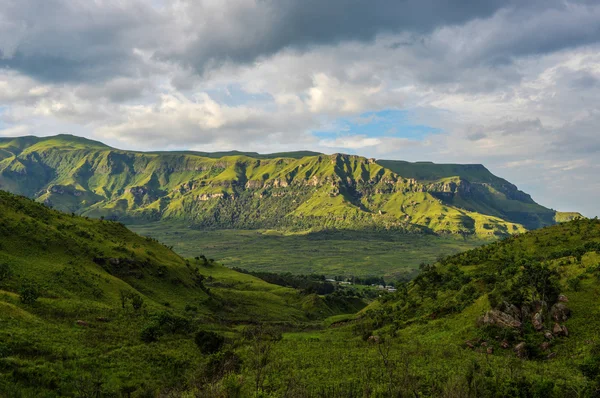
(386, 123)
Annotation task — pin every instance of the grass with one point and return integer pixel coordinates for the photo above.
(344, 253)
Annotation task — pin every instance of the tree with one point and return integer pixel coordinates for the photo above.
(209, 342)
(262, 340)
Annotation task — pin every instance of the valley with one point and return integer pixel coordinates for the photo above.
(395, 256)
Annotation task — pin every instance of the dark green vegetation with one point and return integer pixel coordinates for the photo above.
(296, 191)
(346, 253)
(88, 308)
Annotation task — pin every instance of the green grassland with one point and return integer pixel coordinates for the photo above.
(344, 253)
(78, 339)
(290, 192)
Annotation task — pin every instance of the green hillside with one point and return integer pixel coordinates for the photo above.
(87, 308)
(296, 191)
(84, 299)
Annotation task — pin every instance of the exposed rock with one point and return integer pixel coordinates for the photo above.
(520, 350)
(557, 329)
(204, 197)
(254, 184)
(484, 344)
(551, 355)
(537, 321)
(505, 344)
(512, 310)
(373, 339)
(82, 323)
(560, 312)
(490, 350)
(544, 346)
(562, 298)
(501, 319)
(469, 344)
(548, 335)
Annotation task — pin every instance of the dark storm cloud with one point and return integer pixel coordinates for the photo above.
(250, 32)
(76, 40)
(80, 40)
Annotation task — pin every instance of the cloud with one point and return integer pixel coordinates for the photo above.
(511, 84)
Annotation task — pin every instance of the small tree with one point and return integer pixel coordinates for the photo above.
(29, 292)
(209, 342)
(262, 340)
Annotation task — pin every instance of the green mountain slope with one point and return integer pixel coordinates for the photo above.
(297, 191)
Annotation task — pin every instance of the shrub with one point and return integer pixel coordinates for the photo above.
(5, 271)
(150, 333)
(209, 342)
(29, 292)
(136, 301)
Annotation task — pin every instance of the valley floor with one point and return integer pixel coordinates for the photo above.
(343, 253)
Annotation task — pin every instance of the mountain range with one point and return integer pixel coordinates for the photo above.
(296, 191)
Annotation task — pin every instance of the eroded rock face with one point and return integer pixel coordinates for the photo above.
(537, 321)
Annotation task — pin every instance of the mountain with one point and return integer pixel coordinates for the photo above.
(295, 191)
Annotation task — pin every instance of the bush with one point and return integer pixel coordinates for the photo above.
(150, 333)
(209, 342)
(136, 301)
(29, 292)
(5, 271)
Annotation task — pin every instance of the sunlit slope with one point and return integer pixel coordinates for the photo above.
(297, 191)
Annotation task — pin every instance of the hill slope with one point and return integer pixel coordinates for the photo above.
(298, 191)
(80, 298)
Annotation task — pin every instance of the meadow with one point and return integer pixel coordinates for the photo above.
(345, 253)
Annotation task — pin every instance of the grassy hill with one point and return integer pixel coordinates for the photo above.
(86, 301)
(295, 191)
(87, 308)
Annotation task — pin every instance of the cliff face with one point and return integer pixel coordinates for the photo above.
(256, 191)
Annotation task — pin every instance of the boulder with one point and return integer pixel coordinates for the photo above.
(373, 339)
(504, 344)
(501, 319)
(562, 298)
(565, 331)
(520, 350)
(490, 350)
(560, 312)
(537, 321)
(557, 329)
(82, 323)
(551, 355)
(544, 346)
(548, 335)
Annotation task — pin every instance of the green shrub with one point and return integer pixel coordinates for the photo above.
(209, 342)
(150, 333)
(29, 292)
(5, 271)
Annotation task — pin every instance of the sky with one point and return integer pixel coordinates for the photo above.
(513, 85)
